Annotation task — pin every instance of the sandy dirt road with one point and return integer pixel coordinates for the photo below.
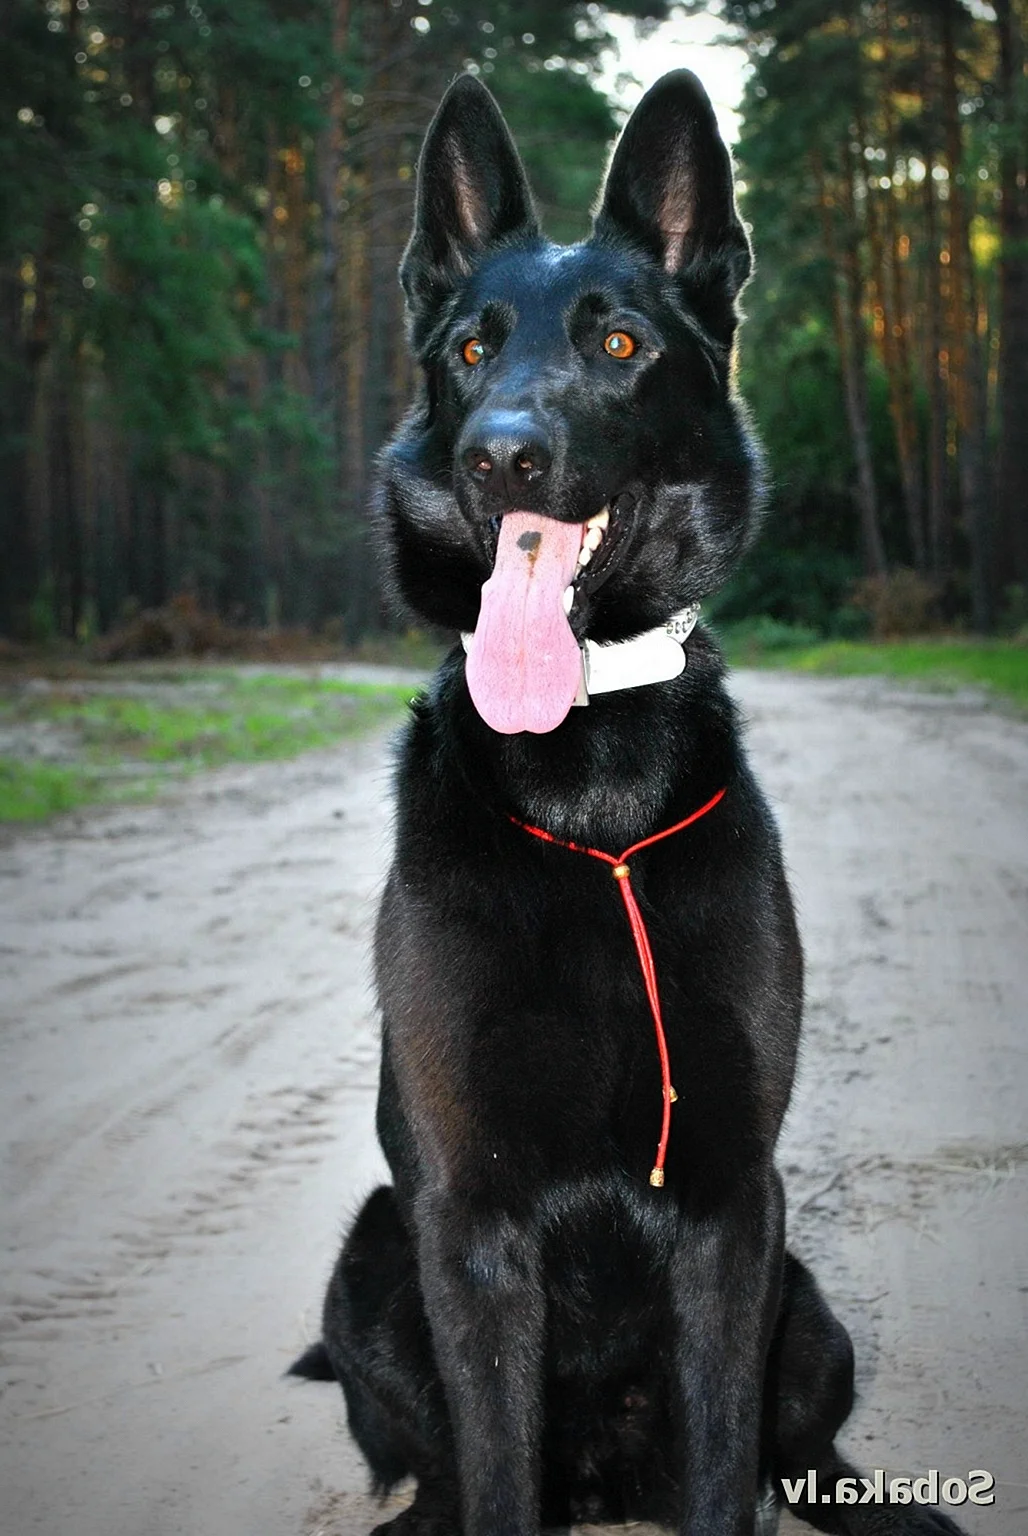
(187, 1073)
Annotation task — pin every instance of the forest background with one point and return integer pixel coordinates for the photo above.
(202, 208)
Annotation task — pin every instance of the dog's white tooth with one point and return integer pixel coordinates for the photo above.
(594, 538)
(569, 599)
(585, 554)
(599, 519)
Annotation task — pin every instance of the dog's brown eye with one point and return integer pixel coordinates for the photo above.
(473, 351)
(619, 344)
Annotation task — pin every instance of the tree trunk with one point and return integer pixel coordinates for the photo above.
(19, 567)
(847, 314)
(325, 337)
(940, 528)
(379, 406)
(895, 319)
(1012, 471)
(963, 347)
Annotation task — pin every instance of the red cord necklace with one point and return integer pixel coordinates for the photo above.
(621, 874)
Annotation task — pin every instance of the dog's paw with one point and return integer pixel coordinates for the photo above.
(900, 1520)
(926, 1522)
(420, 1519)
(768, 1512)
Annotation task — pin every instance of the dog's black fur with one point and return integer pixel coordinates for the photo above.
(521, 1322)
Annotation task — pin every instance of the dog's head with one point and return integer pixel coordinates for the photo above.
(577, 445)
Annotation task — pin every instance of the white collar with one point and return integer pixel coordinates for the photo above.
(653, 657)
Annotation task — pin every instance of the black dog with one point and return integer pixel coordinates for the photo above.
(531, 1322)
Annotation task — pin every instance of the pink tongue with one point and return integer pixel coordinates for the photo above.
(524, 665)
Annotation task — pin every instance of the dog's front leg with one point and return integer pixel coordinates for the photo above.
(481, 1280)
(726, 1278)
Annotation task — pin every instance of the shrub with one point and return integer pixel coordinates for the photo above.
(180, 628)
(750, 639)
(900, 603)
(1013, 619)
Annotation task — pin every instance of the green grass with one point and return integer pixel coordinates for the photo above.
(259, 718)
(155, 726)
(126, 743)
(999, 666)
(34, 791)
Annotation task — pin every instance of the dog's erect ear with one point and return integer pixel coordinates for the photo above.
(669, 190)
(472, 191)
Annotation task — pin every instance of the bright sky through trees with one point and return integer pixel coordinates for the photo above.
(689, 42)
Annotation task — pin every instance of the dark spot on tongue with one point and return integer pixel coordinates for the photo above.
(529, 542)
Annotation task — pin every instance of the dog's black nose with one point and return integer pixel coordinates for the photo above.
(506, 453)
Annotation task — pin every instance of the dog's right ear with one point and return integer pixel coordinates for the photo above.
(669, 191)
(472, 192)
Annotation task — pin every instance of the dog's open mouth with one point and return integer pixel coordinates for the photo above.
(590, 556)
(524, 665)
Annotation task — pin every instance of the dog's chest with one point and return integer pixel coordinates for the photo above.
(519, 1026)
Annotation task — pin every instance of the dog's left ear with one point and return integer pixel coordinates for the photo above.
(669, 190)
(472, 192)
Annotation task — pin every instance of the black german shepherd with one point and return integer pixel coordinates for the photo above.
(530, 1322)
